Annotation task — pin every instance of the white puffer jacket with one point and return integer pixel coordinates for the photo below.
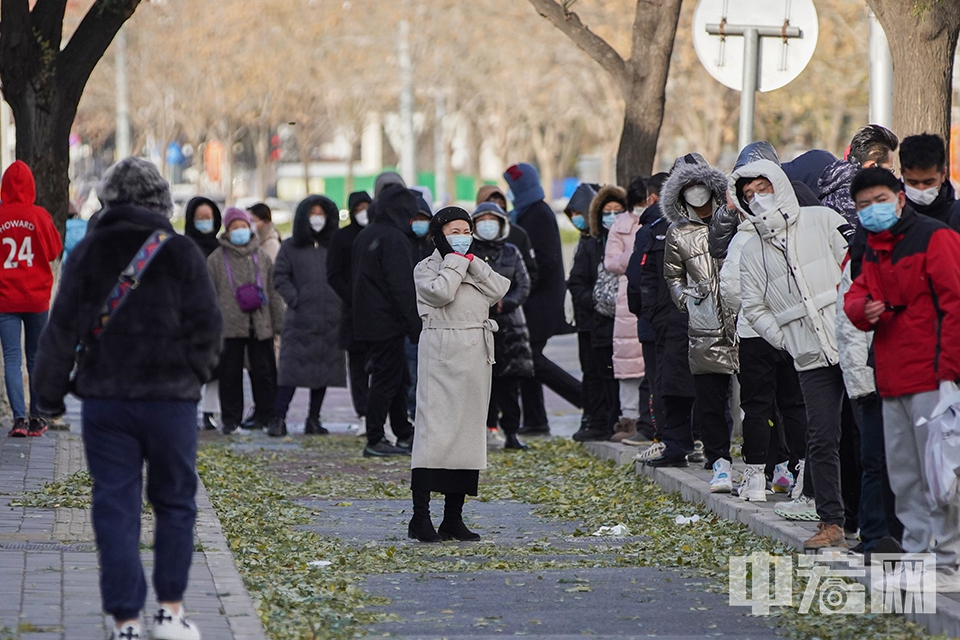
(789, 272)
(858, 376)
(730, 279)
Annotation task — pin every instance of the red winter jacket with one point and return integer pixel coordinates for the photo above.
(28, 243)
(915, 269)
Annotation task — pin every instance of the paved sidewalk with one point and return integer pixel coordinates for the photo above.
(48, 561)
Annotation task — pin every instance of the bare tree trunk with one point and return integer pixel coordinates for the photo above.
(923, 40)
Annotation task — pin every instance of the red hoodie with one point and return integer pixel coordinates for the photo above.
(28, 243)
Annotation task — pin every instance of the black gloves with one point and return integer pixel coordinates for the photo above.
(442, 245)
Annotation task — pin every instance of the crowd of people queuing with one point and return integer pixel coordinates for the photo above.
(828, 289)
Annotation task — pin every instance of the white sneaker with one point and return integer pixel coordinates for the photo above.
(173, 626)
(753, 485)
(782, 478)
(361, 429)
(801, 508)
(126, 632)
(721, 482)
(655, 450)
(798, 481)
(495, 438)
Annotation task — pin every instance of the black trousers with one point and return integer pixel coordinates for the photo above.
(769, 382)
(389, 378)
(285, 396)
(657, 410)
(594, 398)
(359, 380)
(546, 372)
(611, 387)
(677, 432)
(505, 404)
(851, 471)
(263, 378)
(710, 414)
(823, 396)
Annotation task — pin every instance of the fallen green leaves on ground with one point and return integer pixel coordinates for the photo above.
(253, 496)
(73, 492)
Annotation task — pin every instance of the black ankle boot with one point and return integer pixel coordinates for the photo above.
(209, 422)
(513, 443)
(277, 428)
(421, 528)
(452, 527)
(312, 427)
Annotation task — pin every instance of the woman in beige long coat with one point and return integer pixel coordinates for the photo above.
(454, 296)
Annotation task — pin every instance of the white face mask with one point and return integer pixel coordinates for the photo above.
(762, 203)
(362, 218)
(922, 197)
(317, 222)
(697, 195)
(638, 210)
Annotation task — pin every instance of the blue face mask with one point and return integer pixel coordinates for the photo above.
(460, 244)
(879, 216)
(240, 236)
(608, 219)
(420, 227)
(579, 222)
(204, 226)
(488, 229)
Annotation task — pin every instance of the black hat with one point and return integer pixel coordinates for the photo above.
(448, 214)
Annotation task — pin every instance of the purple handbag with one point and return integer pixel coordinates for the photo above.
(250, 297)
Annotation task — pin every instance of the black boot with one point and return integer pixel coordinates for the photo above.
(312, 427)
(452, 527)
(513, 443)
(277, 428)
(209, 422)
(421, 528)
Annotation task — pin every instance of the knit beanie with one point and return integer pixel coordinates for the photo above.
(524, 181)
(445, 215)
(384, 179)
(136, 182)
(232, 215)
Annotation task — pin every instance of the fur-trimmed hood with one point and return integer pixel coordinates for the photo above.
(606, 194)
(689, 170)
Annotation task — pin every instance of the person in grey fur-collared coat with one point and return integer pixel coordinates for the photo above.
(310, 354)
(455, 291)
(689, 198)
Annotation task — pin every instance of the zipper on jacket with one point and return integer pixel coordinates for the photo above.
(940, 314)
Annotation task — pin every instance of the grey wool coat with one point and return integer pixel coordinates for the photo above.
(309, 353)
(266, 320)
(454, 296)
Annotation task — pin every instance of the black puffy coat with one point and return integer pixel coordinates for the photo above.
(340, 276)
(544, 307)
(669, 323)
(583, 277)
(946, 207)
(514, 357)
(162, 344)
(634, 273)
(207, 242)
(521, 240)
(384, 297)
(310, 355)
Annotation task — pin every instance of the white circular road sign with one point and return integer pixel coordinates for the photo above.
(783, 55)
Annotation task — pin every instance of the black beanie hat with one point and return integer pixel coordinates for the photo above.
(448, 214)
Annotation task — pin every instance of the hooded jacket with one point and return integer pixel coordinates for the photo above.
(692, 275)
(310, 355)
(835, 189)
(263, 323)
(163, 344)
(583, 278)
(28, 244)
(383, 296)
(790, 270)
(207, 242)
(514, 357)
(635, 295)
(914, 268)
(808, 167)
(627, 351)
(544, 307)
(339, 267)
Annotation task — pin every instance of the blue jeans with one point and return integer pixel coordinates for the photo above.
(118, 436)
(33, 324)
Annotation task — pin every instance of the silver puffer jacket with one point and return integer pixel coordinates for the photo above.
(691, 274)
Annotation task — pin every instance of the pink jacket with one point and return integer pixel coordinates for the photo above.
(627, 352)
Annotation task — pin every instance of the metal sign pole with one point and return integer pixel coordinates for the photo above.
(748, 95)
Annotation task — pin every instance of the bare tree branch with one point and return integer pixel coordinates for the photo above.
(592, 44)
(18, 52)
(48, 22)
